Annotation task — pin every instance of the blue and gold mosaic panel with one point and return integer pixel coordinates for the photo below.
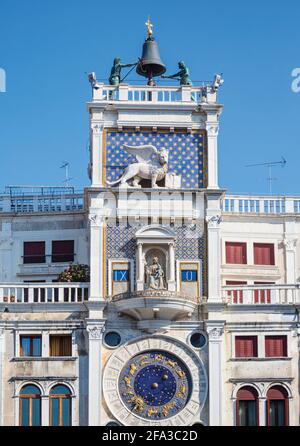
(186, 153)
(190, 245)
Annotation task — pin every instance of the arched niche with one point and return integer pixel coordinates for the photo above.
(155, 241)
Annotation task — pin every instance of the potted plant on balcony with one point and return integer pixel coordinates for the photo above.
(76, 272)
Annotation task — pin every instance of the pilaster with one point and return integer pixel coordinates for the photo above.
(213, 220)
(215, 331)
(96, 141)
(2, 351)
(97, 255)
(95, 330)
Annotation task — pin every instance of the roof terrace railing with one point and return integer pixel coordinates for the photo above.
(156, 94)
(239, 204)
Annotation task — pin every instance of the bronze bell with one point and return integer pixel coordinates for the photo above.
(150, 64)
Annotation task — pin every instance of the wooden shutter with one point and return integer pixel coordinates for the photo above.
(276, 346)
(247, 393)
(262, 296)
(236, 252)
(245, 346)
(236, 294)
(63, 251)
(264, 254)
(34, 252)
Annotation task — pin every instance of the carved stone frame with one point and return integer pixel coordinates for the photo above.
(118, 360)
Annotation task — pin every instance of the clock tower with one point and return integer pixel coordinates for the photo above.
(154, 213)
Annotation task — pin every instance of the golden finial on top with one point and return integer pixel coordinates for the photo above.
(149, 28)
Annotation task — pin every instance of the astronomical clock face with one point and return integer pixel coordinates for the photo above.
(155, 385)
(154, 381)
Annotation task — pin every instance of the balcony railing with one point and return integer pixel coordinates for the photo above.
(41, 203)
(239, 204)
(261, 294)
(161, 294)
(157, 94)
(49, 293)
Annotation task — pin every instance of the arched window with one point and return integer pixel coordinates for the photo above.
(247, 407)
(277, 407)
(30, 406)
(60, 406)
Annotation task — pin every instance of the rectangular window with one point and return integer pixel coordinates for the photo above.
(30, 346)
(60, 345)
(120, 275)
(276, 346)
(63, 251)
(34, 252)
(236, 252)
(246, 346)
(189, 275)
(264, 254)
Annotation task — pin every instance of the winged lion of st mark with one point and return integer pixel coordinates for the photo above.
(152, 164)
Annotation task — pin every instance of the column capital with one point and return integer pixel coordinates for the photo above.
(95, 330)
(213, 221)
(290, 244)
(215, 330)
(212, 129)
(97, 128)
(96, 220)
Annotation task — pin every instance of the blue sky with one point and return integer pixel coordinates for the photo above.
(47, 46)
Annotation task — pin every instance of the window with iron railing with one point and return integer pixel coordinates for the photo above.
(34, 252)
(63, 251)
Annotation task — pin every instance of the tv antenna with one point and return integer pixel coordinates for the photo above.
(269, 165)
(66, 166)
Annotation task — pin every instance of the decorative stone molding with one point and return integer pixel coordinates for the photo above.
(215, 333)
(96, 220)
(290, 244)
(9, 241)
(212, 130)
(95, 332)
(213, 221)
(97, 128)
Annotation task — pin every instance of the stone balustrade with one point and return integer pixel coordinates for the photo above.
(278, 294)
(41, 293)
(156, 94)
(239, 204)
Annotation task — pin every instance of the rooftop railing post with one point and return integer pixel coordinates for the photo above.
(98, 92)
(289, 205)
(186, 93)
(7, 203)
(123, 92)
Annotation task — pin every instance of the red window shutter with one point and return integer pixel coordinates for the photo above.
(276, 346)
(236, 252)
(246, 346)
(262, 296)
(247, 393)
(63, 251)
(237, 294)
(34, 252)
(277, 393)
(264, 254)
